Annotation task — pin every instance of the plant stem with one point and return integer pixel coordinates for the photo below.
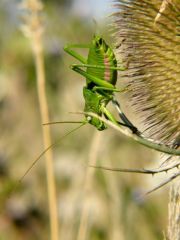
(93, 152)
(150, 143)
(174, 212)
(53, 211)
(33, 28)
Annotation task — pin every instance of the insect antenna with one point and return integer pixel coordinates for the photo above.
(42, 153)
(96, 27)
(59, 122)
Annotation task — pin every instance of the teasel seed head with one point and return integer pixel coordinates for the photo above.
(150, 30)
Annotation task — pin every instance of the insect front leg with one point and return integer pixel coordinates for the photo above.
(110, 117)
(69, 49)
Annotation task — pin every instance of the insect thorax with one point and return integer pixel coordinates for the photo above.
(93, 103)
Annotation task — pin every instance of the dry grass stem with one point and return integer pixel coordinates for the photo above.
(47, 142)
(115, 205)
(34, 29)
(174, 212)
(93, 153)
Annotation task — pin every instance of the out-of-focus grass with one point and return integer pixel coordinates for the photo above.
(115, 208)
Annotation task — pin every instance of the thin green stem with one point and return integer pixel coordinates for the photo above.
(138, 138)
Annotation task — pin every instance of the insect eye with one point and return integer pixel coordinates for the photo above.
(100, 41)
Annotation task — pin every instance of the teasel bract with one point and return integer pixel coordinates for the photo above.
(150, 34)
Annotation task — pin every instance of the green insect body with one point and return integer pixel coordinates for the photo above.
(101, 77)
(99, 54)
(93, 103)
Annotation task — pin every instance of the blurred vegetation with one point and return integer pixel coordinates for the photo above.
(116, 209)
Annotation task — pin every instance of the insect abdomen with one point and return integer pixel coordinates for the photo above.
(102, 56)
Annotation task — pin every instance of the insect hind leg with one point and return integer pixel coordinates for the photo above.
(108, 89)
(92, 78)
(126, 121)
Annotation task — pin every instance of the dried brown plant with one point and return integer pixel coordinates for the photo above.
(33, 29)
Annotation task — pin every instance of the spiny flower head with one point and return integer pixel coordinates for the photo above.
(150, 30)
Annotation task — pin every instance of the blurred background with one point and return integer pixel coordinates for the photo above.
(114, 204)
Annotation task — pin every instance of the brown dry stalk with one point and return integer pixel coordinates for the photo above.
(174, 212)
(115, 205)
(34, 29)
(47, 142)
(93, 152)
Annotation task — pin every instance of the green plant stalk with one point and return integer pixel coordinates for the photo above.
(146, 142)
